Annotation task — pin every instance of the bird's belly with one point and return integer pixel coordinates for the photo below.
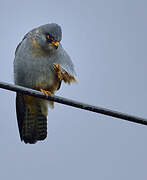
(47, 82)
(36, 74)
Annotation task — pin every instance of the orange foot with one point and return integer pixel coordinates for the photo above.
(47, 93)
(58, 71)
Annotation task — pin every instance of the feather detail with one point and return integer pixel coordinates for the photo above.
(63, 75)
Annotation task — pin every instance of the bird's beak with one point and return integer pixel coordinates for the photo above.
(55, 43)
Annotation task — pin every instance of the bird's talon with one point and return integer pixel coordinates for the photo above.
(45, 92)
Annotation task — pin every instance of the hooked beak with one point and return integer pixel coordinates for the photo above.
(55, 43)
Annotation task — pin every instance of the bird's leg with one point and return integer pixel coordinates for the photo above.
(47, 93)
(63, 75)
(58, 71)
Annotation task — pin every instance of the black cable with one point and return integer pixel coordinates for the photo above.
(73, 103)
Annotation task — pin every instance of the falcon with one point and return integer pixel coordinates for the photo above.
(40, 63)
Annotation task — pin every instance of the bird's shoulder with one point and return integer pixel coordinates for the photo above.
(19, 45)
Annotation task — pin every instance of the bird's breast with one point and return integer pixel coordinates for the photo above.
(47, 81)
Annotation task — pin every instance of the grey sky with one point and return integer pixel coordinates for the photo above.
(107, 42)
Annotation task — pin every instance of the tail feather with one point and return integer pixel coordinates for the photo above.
(32, 124)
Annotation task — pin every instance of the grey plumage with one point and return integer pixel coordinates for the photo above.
(33, 68)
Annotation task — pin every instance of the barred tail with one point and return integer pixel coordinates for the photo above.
(32, 118)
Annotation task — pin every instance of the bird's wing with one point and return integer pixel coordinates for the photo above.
(62, 74)
(63, 59)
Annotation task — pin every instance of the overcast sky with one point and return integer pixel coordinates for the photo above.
(107, 41)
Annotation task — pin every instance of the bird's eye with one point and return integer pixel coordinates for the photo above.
(49, 38)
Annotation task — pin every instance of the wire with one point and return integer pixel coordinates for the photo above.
(73, 103)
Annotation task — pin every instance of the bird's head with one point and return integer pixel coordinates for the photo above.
(48, 37)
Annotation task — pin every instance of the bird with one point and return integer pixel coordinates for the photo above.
(40, 63)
